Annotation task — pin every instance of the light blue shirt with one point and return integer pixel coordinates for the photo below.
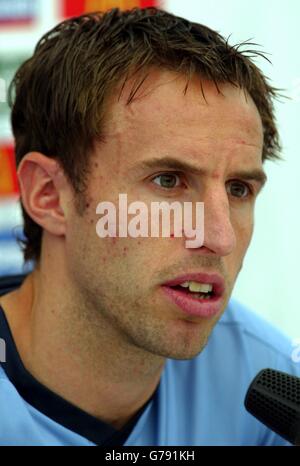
(197, 402)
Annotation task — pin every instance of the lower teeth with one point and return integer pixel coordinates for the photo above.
(201, 296)
(195, 294)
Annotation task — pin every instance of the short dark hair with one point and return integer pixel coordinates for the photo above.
(58, 96)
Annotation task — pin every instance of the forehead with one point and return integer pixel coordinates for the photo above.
(161, 114)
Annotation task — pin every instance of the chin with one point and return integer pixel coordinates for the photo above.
(184, 349)
(183, 355)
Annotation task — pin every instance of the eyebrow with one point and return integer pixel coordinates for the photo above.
(173, 163)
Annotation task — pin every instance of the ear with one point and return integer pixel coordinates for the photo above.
(42, 184)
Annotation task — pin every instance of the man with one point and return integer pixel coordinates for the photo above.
(110, 340)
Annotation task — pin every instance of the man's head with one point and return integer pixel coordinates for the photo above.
(100, 98)
(62, 91)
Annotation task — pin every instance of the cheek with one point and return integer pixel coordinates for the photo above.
(243, 225)
(244, 236)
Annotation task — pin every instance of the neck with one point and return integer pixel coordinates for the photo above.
(67, 345)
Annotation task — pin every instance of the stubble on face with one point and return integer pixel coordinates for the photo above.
(119, 279)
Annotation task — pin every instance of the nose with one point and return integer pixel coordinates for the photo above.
(219, 235)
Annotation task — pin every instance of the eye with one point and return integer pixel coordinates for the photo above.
(239, 189)
(167, 180)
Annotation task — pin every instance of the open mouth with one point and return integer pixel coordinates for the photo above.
(197, 295)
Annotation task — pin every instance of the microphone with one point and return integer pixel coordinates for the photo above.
(273, 397)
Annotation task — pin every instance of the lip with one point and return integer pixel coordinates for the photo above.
(193, 306)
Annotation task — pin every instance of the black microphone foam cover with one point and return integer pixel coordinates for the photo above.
(274, 399)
